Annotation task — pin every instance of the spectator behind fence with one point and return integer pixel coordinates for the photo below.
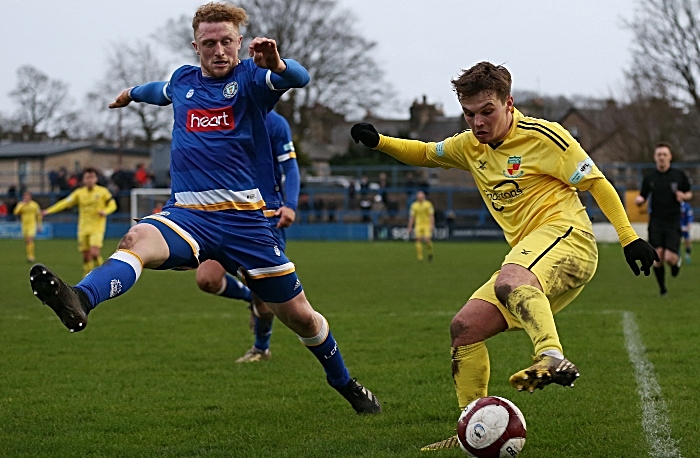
(11, 202)
(319, 206)
(141, 176)
(53, 181)
(123, 179)
(332, 208)
(410, 185)
(303, 208)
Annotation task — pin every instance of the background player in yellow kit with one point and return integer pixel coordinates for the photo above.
(94, 203)
(533, 168)
(29, 213)
(422, 214)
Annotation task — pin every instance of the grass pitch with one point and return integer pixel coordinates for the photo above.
(154, 374)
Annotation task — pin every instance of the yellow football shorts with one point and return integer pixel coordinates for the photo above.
(422, 231)
(562, 258)
(28, 232)
(89, 239)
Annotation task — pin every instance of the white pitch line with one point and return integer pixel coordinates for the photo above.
(654, 412)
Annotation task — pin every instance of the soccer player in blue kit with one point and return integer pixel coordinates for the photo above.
(211, 276)
(221, 171)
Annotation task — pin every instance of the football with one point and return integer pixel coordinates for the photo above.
(491, 427)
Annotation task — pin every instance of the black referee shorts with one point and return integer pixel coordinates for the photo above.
(665, 234)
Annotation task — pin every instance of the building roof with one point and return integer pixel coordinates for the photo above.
(43, 149)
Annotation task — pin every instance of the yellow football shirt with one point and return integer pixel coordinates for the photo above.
(421, 212)
(29, 213)
(90, 203)
(527, 180)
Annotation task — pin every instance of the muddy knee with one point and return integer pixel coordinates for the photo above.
(128, 241)
(208, 284)
(502, 291)
(458, 327)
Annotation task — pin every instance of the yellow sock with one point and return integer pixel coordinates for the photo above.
(99, 261)
(532, 308)
(470, 371)
(429, 247)
(30, 251)
(87, 267)
(419, 250)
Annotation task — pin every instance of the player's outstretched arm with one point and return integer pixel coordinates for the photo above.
(265, 55)
(366, 133)
(411, 152)
(152, 93)
(635, 249)
(642, 251)
(122, 100)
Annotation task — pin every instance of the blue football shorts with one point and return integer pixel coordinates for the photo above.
(280, 233)
(241, 241)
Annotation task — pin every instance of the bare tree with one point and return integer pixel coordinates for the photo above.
(128, 66)
(41, 100)
(177, 35)
(321, 37)
(666, 50)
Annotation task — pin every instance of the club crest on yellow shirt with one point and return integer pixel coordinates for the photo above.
(513, 169)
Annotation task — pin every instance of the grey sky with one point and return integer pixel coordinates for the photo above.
(554, 47)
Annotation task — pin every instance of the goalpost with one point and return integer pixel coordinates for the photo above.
(145, 200)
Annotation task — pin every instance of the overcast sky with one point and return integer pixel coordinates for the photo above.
(553, 47)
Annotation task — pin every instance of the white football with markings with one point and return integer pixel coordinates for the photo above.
(491, 427)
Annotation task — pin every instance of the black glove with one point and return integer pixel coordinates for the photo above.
(366, 133)
(640, 250)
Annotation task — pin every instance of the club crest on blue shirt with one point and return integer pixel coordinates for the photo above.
(513, 169)
(190, 93)
(230, 89)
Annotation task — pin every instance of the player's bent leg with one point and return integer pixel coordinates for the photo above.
(70, 304)
(673, 260)
(87, 262)
(314, 332)
(419, 249)
(429, 248)
(261, 320)
(210, 277)
(474, 323)
(141, 246)
(546, 368)
(520, 291)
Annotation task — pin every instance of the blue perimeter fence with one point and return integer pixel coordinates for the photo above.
(332, 208)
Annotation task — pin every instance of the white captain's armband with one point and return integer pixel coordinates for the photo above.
(583, 168)
(440, 148)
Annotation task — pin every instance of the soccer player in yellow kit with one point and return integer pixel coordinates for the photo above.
(94, 203)
(30, 216)
(422, 214)
(528, 171)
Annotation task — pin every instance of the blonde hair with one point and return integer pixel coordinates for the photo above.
(219, 12)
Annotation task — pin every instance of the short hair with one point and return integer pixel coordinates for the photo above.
(90, 170)
(663, 145)
(219, 12)
(483, 76)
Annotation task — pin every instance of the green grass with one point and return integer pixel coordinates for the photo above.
(153, 374)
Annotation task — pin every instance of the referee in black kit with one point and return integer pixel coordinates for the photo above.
(668, 188)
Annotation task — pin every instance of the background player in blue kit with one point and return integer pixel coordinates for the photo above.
(222, 174)
(686, 223)
(211, 276)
